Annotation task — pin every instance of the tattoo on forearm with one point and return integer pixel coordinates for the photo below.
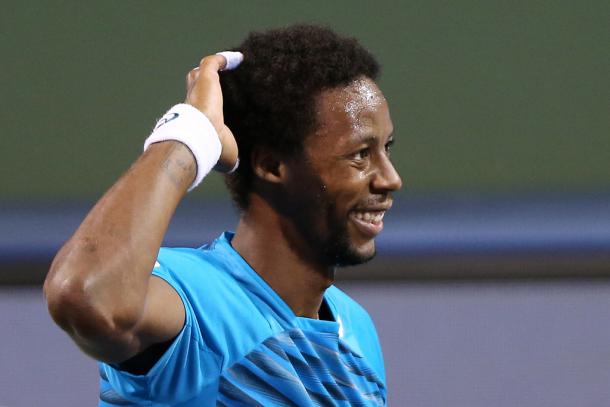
(178, 169)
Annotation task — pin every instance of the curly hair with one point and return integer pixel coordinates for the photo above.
(269, 100)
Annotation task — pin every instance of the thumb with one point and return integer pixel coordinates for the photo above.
(228, 156)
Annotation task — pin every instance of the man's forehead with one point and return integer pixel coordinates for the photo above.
(354, 113)
(362, 94)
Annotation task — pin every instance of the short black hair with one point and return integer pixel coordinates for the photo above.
(269, 100)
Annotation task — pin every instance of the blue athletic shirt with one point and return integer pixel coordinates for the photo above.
(241, 345)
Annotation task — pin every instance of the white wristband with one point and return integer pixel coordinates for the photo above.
(189, 126)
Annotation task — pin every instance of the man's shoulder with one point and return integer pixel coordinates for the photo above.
(188, 264)
(208, 262)
(205, 269)
(187, 257)
(346, 305)
(219, 297)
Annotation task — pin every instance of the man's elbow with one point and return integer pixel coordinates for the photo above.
(74, 305)
(93, 328)
(68, 304)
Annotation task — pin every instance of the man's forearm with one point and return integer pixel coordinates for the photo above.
(104, 268)
(99, 288)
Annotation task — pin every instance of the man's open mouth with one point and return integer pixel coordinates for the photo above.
(368, 222)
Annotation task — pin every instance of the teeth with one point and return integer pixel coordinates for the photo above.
(371, 217)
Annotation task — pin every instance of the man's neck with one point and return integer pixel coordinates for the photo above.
(294, 275)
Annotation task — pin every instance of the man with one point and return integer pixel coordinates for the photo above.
(251, 318)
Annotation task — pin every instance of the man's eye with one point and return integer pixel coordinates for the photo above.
(388, 147)
(362, 154)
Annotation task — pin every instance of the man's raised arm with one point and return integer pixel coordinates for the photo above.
(99, 288)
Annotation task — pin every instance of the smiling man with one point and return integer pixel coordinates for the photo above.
(251, 318)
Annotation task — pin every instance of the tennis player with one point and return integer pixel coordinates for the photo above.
(252, 318)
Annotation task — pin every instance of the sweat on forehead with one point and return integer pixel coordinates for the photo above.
(359, 95)
(354, 109)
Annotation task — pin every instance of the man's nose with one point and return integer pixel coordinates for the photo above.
(386, 177)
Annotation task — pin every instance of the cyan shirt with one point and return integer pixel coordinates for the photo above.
(241, 345)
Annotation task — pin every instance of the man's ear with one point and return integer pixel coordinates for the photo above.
(268, 165)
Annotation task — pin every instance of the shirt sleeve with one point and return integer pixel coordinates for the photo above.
(185, 369)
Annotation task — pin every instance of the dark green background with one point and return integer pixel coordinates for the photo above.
(485, 95)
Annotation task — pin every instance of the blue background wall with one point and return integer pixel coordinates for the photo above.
(468, 344)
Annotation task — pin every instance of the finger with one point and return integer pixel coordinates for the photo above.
(212, 63)
(191, 77)
(229, 157)
(221, 61)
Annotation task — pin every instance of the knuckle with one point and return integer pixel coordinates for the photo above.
(209, 74)
(209, 61)
(192, 75)
(204, 61)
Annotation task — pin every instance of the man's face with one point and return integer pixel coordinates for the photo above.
(344, 179)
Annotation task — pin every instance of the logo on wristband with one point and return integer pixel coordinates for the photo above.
(167, 118)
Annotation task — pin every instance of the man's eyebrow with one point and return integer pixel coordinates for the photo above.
(370, 138)
(367, 138)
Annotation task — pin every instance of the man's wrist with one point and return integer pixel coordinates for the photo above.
(188, 125)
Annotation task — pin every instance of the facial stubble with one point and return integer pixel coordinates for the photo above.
(332, 238)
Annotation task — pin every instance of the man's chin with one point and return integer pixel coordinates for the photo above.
(347, 248)
(353, 257)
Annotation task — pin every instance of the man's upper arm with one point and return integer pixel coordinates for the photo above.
(163, 316)
(162, 319)
(173, 364)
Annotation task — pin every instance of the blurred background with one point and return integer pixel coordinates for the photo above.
(491, 286)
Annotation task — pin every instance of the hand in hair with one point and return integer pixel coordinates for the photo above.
(203, 92)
